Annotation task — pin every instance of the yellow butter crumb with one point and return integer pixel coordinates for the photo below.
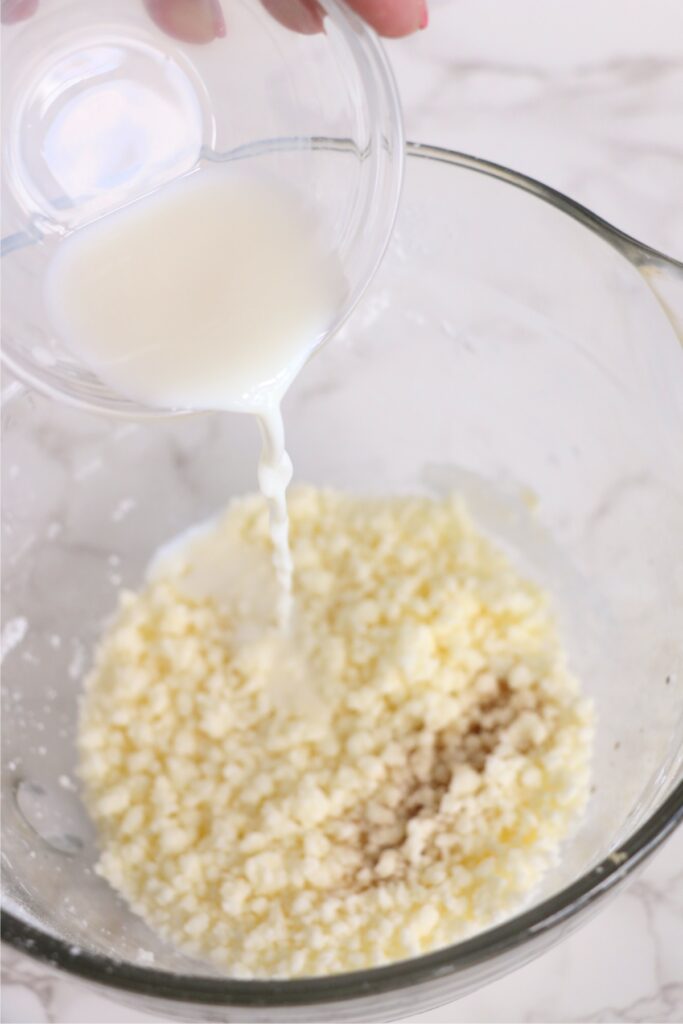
(410, 789)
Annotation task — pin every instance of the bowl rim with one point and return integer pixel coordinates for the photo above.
(214, 991)
(542, 918)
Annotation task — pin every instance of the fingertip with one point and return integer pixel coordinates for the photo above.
(17, 10)
(393, 18)
(190, 21)
(303, 16)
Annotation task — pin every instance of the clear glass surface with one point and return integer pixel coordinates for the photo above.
(513, 347)
(101, 107)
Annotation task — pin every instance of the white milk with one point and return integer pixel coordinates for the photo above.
(208, 294)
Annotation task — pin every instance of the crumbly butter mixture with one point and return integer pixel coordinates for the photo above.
(395, 776)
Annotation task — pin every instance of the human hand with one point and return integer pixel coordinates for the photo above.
(200, 21)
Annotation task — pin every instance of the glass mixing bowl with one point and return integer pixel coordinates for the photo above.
(513, 347)
(101, 107)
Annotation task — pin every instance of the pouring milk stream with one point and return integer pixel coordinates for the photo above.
(209, 294)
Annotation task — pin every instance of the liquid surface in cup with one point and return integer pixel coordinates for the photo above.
(208, 294)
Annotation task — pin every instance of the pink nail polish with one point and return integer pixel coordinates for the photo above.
(424, 15)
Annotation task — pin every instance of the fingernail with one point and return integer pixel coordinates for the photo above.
(424, 15)
(218, 19)
(213, 11)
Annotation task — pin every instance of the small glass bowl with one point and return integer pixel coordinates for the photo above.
(102, 107)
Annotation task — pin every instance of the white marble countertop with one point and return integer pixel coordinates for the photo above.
(587, 96)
